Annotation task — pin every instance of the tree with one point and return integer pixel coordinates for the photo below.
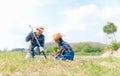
(110, 29)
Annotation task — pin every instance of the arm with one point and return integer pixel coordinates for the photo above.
(60, 52)
(41, 40)
(62, 49)
(29, 37)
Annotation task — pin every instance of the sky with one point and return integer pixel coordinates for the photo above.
(76, 20)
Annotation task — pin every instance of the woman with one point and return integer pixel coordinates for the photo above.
(65, 51)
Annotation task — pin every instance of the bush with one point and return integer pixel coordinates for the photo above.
(97, 49)
(86, 48)
(54, 48)
(79, 47)
(114, 46)
(51, 50)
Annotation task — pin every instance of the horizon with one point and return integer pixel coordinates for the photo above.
(7, 49)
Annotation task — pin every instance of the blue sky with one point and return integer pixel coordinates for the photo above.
(76, 20)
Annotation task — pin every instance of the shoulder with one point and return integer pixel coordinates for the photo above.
(63, 43)
(42, 36)
(66, 44)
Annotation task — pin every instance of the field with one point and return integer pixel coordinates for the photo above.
(14, 64)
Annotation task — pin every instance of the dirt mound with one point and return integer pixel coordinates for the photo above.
(111, 53)
(106, 54)
(117, 53)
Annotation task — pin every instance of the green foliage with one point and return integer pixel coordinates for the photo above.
(79, 47)
(87, 48)
(51, 50)
(47, 51)
(114, 46)
(97, 48)
(54, 48)
(110, 28)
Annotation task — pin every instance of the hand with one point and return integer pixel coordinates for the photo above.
(55, 56)
(41, 49)
(52, 57)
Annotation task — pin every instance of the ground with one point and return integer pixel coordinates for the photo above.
(14, 64)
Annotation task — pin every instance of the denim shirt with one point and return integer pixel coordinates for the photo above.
(31, 38)
(64, 46)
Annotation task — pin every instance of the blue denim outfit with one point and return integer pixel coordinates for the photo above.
(67, 51)
(34, 44)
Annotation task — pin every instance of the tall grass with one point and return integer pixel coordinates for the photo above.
(14, 64)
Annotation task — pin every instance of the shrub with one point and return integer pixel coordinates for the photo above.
(97, 49)
(87, 48)
(54, 48)
(114, 46)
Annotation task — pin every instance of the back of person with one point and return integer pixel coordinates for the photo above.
(65, 50)
(68, 52)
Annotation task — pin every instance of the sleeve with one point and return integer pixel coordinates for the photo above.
(66, 47)
(29, 37)
(60, 51)
(42, 40)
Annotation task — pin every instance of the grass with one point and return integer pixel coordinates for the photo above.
(91, 53)
(14, 64)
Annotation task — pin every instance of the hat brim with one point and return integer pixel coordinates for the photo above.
(40, 29)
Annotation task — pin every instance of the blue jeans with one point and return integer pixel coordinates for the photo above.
(35, 51)
(66, 56)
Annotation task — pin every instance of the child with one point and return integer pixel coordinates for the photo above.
(65, 51)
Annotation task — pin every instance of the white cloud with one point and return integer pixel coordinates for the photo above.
(73, 21)
(74, 17)
(16, 8)
(81, 12)
(109, 12)
(100, 34)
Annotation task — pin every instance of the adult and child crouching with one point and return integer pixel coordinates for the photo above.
(65, 51)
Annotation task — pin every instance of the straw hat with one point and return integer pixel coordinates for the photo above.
(57, 36)
(41, 28)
